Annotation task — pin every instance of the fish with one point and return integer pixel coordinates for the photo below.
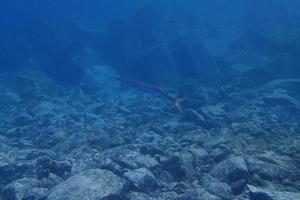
(148, 88)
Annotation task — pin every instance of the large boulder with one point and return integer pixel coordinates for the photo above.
(231, 170)
(280, 98)
(92, 184)
(216, 187)
(180, 165)
(22, 189)
(258, 193)
(290, 87)
(142, 179)
(272, 167)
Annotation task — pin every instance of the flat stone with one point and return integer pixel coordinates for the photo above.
(94, 184)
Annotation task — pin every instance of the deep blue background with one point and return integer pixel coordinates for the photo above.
(48, 34)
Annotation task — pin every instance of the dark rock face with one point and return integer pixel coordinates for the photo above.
(182, 55)
(91, 184)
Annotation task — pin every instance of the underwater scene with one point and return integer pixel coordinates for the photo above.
(150, 100)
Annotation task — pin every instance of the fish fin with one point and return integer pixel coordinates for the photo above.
(178, 101)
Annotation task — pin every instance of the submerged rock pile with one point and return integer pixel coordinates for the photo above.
(226, 144)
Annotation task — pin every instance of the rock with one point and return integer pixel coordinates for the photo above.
(216, 111)
(280, 35)
(13, 170)
(130, 159)
(268, 170)
(164, 178)
(30, 84)
(291, 85)
(178, 187)
(220, 153)
(3, 158)
(50, 181)
(198, 193)
(216, 187)
(112, 166)
(22, 120)
(284, 92)
(201, 156)
(151, 149)
(238, 187)
(138, 196)
(30, 154)
(237, 70)
(180, 165)
(198, 95)
(223, 137)
(244, 60)
(37, 194)
(193, 116)
(195, 137)
(9, 98)
(231, 170)
(56, 167)
(84, 158)
(19, 189)
(101, 79)
(280, 98)
(96, 108)
(258, 193)
(168, 196)
(202, 161)
(92, 184)
(142, 179)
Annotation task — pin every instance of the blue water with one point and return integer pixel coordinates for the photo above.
(232, 65)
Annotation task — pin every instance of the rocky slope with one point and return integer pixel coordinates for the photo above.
(73, 143)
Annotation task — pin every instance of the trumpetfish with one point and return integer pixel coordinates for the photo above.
(146, 87)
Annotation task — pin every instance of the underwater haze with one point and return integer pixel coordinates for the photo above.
(150, 100)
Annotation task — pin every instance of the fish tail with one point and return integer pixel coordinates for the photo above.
(177, 103)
